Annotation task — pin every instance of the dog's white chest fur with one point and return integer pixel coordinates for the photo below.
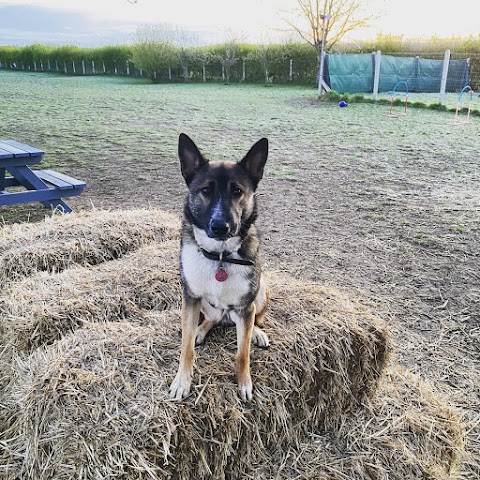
(200, 271)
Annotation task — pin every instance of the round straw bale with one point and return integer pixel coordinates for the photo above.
(42, 308)
(80, 238)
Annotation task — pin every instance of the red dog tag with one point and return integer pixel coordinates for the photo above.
(221, 275)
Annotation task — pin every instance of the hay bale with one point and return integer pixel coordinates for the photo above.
(44, 307)
(88, 238)
(354, 344)
(95, 405)
(92, 351)
(96, 397)
(408, 432)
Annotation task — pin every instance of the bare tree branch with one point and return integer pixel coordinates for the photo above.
(346, 16)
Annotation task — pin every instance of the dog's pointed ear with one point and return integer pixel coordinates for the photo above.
(191, 160)
(254, 161)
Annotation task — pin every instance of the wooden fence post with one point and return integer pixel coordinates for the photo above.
(443, 82)
(65, 67)
(244, 73)
(74, 69)
(83, 67)
(204, 72)
(290, 74)
(93, 67)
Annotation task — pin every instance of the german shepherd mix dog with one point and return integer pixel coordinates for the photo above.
(221, 275)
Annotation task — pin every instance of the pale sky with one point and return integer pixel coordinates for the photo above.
(413, 18)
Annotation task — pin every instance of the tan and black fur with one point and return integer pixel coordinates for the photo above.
(218, 233)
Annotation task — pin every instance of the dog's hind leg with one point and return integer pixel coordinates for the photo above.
(202, 330)
(180, 387)
(261, 302)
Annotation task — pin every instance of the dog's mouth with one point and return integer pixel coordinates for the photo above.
(221, 237)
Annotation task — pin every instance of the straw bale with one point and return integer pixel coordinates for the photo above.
(84, 387)
(85, 238)
(95, 405)
(40, 309)
(365, 339)
(409, 432)
(92, 347)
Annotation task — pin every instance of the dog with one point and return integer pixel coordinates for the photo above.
(221, 276)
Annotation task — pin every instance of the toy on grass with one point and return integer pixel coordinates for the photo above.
(342, 104)
(395, 115)
(467, 89)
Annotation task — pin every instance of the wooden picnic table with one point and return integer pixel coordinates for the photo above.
(45, 186)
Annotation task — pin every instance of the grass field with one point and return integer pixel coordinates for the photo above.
(387, 209)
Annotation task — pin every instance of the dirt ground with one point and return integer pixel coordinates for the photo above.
(394, 242)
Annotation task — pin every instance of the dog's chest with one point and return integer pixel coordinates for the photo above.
(199, 274)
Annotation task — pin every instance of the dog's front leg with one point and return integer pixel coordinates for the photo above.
(180, 387)
(244, 324)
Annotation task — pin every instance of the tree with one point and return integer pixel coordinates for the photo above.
(185, 53)
(345, 16)
(229, 57)
(153, 49)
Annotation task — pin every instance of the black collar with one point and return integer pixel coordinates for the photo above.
(216, 256)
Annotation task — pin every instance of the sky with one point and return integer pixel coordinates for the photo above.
(256, 20)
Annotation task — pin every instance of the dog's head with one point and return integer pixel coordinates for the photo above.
(221, 198)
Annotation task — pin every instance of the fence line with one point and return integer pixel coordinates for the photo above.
(128, 69)
(289, 71)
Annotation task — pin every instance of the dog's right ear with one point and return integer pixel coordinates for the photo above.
(191, 160)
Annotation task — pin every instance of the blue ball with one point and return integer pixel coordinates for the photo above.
(343, 103)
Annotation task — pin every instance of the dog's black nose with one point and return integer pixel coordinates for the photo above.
(219, 228)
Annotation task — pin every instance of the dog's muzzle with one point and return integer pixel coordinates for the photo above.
(219, 229)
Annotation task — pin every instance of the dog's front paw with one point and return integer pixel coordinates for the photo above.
(245, 390)
(180, 387)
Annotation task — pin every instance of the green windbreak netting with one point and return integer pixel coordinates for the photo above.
(353, 73)
(394, 70)
(350, 73)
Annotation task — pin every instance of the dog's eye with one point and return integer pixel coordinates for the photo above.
(207, 191)
(237, 192)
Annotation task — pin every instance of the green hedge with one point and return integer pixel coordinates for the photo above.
(261, 63)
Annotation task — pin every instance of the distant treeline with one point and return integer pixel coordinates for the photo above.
(272, 63)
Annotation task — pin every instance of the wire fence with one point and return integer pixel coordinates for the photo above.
(302, 71)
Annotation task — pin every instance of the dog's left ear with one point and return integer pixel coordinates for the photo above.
(254, 161)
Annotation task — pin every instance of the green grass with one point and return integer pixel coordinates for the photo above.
(132, 126)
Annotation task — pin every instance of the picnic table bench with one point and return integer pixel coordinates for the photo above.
(45, 186)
